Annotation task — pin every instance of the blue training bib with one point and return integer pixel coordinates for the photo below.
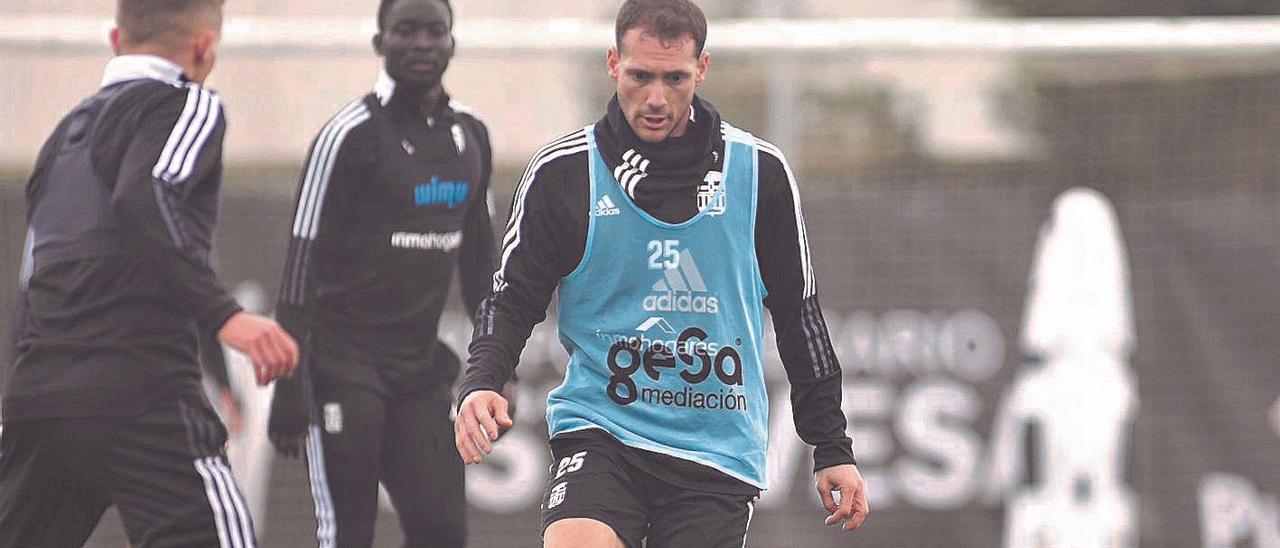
(663, 323)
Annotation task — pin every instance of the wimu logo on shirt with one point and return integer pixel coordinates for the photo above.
(437, 192)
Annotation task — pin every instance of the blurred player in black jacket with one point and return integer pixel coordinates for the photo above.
(392, 201)
(105, 404)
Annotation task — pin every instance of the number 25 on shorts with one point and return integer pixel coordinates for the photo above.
(570, 464)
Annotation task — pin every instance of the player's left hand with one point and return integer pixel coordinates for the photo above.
(845, 480)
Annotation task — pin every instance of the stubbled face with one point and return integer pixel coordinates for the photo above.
(416, 42)
(656, 81)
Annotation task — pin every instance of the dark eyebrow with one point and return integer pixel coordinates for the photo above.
(416, 23)
(682, 73)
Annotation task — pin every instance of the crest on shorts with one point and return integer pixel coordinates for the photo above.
(333, 418)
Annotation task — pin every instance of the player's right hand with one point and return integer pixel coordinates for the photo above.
(273, 352)
(481, 417)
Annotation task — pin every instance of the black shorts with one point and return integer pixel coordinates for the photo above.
(591, 478)
(164, 470)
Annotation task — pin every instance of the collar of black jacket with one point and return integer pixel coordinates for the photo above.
(385, 89)
(134, 67)
(677, 163)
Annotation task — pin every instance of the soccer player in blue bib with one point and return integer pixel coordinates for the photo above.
(666, 232)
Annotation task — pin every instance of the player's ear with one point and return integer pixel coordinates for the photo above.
(204, 52)
(704, 63)
(114, 37)
(377, 43)
(205, 43)
(612, 60)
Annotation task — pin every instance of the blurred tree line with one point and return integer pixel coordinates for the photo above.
(1196, 122)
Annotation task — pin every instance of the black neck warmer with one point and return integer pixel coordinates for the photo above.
(662, 178)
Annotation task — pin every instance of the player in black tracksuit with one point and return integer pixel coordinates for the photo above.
(105, 404)
(393, 200)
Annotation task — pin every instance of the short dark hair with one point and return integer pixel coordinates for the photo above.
(668, 19)
(160, 21)
(385, 5)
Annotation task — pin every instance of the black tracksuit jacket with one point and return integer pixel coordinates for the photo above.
(117, 280)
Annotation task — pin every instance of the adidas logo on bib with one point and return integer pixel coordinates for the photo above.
(682, 289)
(605, 207)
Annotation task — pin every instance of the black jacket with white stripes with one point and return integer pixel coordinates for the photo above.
(116, 275)
(547, 233)
(391, 204)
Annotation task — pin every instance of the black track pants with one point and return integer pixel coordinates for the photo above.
(404, 442)
(164, 470)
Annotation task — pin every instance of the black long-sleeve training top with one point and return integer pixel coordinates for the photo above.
(547, 233)
(116, 276)
(390, 204)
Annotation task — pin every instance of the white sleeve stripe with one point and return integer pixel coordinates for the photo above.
(28, 260)
(572, 143)
(534, 160)
(202, 106)
(320, 167)
(175, 135)
(306, 198)
(513, 235)
(806, 266)
(527, 178)
(520, 189)
(192, 153)
(308, 187)
(526, 181)
(172, 172)
(313, 223)
(189, 135)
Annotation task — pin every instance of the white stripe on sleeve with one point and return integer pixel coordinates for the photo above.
(28, 260)
(810, 287)
(320, 168)
(572, 143)
(188, 136)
